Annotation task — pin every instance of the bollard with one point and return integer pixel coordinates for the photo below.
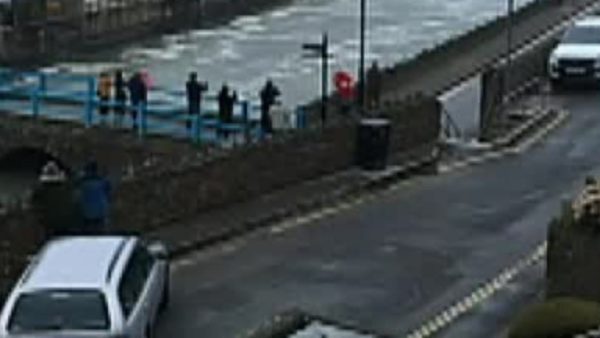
(89, 102)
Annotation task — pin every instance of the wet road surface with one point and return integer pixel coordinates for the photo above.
(390, 263)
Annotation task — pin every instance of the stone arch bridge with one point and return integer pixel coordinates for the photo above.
(28, 143)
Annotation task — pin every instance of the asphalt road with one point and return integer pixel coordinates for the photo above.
(390, 263)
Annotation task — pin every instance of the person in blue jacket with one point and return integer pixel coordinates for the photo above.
(94, 197)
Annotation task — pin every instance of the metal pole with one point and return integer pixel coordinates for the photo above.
(509, 48)
(89, 104)
(325, 77)
(246, 116)
(361, 66)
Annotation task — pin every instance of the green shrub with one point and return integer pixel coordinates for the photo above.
(556, 318)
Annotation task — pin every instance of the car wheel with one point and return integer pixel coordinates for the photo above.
(164, 301)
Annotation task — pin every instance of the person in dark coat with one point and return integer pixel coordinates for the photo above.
(54, 203)
(138, 94)
(226, 103)
(120, 95)
(194, 91)
(373, 89)
(268, 97)
(94, 199)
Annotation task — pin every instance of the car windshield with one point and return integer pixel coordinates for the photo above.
(582, 35)
(52, 310)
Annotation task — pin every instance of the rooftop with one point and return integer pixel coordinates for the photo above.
(75, 262)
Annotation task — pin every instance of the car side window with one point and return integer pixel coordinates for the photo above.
(134, 278)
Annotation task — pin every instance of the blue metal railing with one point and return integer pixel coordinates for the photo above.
(169, 113)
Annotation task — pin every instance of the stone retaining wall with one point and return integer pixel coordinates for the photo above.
(456, 45)
(19, 239)
(176, 194)
(573, 267)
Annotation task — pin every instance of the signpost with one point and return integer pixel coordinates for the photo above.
(321, 50)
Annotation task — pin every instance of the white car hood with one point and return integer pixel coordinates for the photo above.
(577, 51)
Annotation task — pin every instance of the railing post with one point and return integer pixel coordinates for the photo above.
(89, 102)
(197, 127)
(35, 102)
(300, 118)
(43, 82)
(246, 118)
(141, 119)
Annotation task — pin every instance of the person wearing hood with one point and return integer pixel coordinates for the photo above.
(53, 201)
(94, 199)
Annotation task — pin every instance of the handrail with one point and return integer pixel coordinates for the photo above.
(450, 125)
(36, 87)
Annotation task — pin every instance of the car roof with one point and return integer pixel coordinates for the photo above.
(590, 21)
(76, 262)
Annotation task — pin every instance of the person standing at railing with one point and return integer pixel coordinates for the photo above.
(104, 93)
(268, 97)
(194, 91)
(226, 104)
(138, 94)
(120, 95)
(147, 79)
(374, 83)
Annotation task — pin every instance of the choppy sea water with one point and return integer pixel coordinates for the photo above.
(249, 49)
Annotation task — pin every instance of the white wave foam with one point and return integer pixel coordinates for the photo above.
(253, 28)
(201, 33)
(246, 20)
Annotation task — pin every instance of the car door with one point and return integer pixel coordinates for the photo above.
(134, 295)
(154, 282)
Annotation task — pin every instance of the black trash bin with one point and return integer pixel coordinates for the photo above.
(372, 143)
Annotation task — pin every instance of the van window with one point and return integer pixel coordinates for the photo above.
(59, 310)
(134, 279)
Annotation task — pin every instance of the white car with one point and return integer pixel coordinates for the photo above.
(577, 56)
(89, 287)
